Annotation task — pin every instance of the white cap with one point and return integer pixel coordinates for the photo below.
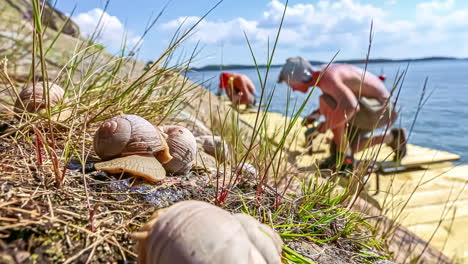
(296, 69)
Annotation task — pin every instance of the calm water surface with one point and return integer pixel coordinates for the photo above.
(441, 124)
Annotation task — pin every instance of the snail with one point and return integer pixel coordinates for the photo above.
(182, 147)
(129, 143)
(269, 248)
(215, 146)
(247, 170)
(32, 98)
(194, 232)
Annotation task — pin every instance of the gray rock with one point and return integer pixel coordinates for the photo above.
(382, 261)
(51, 17)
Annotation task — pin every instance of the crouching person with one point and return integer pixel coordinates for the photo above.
(239, 88)
(353, 107)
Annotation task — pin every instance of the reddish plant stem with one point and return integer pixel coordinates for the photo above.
(217, 189)
(279, 197)
(39, 149)
(55, 163)
(63, 172)
(91, 217)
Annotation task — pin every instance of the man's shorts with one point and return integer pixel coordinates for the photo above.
(373, 114)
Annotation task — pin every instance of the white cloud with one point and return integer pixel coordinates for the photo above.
(303, 22)
(111, 31)
(295, 15)
(441, 15)
(329, 26)
(210, 32)
(436, 6)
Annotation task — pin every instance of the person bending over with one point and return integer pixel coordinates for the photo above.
(239, 88)
(352, 106)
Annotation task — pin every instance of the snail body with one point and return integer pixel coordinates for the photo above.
(182, 147)
(32, 99)
(194, 232)
(126, 135)
(129, 143)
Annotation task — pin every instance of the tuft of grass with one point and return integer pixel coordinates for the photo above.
(36, 148)
(98, 86)
(317, 213)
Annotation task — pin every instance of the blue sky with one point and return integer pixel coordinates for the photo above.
(315, 30)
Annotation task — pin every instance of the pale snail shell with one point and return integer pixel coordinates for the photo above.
(268, 248)
(247, 170)
(126, 135)
(215, 146)
(32, 98)
(182, 147)
(194, 232)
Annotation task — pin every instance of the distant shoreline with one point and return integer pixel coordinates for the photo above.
(353, 61)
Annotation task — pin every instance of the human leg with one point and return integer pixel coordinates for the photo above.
(367, 142)
(341, 158)
(369, 119)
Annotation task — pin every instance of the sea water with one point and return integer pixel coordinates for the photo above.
(441, 123)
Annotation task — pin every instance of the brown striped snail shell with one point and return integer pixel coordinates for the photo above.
(32, 98)
(182, 147)
(215, 146)
(126, 135)
(194, 232)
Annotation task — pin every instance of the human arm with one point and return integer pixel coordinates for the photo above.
(249, 85)
(338, 106)
(310, 119)
(243, 90)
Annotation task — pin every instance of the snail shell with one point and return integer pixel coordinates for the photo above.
(247, 170)
(182, 147)
(271, 248)
(126, 135)
(32, 99)
(194, 232)
(215, 146)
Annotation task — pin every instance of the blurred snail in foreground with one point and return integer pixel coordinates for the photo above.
(182, 147)
(32, 99)
(194, 232)
(215, 146)
(129, 143)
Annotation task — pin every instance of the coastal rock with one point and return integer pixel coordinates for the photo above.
(196, 126)
(51, 17)
(205, 160)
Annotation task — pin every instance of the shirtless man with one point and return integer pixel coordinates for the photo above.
(352, 109)
(239, 88)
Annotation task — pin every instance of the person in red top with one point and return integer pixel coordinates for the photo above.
(353, 104)
(239, 88)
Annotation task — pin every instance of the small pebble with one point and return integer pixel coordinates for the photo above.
(75, 164)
